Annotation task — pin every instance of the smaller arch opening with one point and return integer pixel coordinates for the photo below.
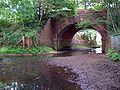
(87, 39)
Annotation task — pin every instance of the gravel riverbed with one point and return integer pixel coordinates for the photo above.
(95, 71)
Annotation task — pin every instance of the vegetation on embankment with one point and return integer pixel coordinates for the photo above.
(20, 19)
(80, 46)
(113, 55)
(20, 50)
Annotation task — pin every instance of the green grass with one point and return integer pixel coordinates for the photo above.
(80, 46)
(19, 50)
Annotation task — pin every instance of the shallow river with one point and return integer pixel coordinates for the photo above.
(34, 73)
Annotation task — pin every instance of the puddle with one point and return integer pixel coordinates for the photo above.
(34, 73)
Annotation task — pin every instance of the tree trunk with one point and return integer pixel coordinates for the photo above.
(23, 41)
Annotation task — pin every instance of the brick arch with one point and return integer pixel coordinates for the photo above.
(65, 36)
(59, 33)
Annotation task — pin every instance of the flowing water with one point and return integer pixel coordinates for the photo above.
(34, 73)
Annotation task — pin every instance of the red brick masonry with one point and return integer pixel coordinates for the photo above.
(58, 33)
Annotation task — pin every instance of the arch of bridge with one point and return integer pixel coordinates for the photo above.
(66, 29)
(59, 33)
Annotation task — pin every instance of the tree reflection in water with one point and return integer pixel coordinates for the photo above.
(31, 73)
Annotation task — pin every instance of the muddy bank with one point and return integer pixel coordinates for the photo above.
(95, 71)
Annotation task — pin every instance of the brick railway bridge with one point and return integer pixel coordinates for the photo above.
(58, 34)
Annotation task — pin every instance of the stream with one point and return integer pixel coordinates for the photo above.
(34, 73)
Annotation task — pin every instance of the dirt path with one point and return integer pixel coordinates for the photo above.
(95, 71)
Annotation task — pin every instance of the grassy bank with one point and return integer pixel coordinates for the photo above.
(113, 54)
(20, 50)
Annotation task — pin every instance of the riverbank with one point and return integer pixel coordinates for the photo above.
(20, 51)
(38, 54)
(53, 53)
(95, 71)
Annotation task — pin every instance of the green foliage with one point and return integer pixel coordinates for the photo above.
(113, 16)
(17, 19)
(87, 36)
(86, 23)
(26, 17)
(113, 55)
(89, 4)
(11, 36)
(113, 12)
(98, 7)
(17, 10)
(1, 85)
(56, 8)
(20, 18)
(90, 37)
(19, 50)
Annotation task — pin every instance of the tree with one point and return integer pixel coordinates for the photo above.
(54, 8)
(16, 16)
(113, 8)
(24, 18)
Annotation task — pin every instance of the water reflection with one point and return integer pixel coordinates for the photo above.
(98, 50)
(34, 73)
(77, 52)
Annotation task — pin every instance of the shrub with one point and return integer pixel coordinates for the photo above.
(113, 55)
(19, 50)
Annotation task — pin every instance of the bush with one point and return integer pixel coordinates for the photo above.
(20, 50)
(113, 55)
